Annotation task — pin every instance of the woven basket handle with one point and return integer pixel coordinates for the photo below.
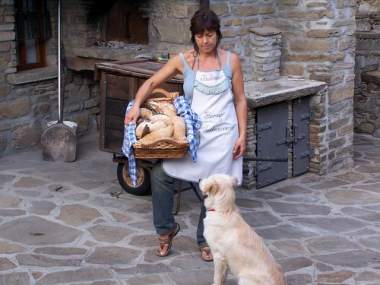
(166, 94)
(162, 91)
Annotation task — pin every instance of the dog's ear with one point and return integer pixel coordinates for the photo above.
(234, 181)
(211, 187)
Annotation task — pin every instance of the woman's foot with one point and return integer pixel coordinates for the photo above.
(166, 242)
(206, 254)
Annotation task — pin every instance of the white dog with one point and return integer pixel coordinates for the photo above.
(232, 241)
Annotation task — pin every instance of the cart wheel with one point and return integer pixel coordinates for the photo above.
(143, 180)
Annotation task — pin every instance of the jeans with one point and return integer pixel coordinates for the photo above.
(163, 198)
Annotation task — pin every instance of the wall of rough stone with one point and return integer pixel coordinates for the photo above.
(28, 99)
(366, 118)
(170, 22)
(369, 6)
(318, 43)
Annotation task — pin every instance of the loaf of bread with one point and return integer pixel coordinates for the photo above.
(146, 113)
(163, 133)
(159, 120)
(179, 132)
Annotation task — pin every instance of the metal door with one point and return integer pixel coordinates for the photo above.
(301, 147)
(272, 144)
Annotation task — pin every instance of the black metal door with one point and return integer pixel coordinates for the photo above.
(301, 148)
(272, 144)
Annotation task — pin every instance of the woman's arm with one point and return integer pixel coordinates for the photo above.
(171, 68)
(240, 105)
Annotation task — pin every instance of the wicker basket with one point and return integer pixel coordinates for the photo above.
(165, 148)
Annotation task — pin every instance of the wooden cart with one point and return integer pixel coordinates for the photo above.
(119, 82)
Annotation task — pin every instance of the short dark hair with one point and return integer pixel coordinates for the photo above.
(202, 20)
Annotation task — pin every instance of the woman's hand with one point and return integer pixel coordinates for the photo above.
(239, 148)
(132, 116)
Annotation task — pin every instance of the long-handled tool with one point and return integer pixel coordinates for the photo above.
(59, 139)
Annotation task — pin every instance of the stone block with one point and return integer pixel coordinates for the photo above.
(348, 129)
(317, 4)
(251, 21)
(25, 136)
(365, 127)
(5, 46)
(14, 108)
(292, 69)
(219, 8)
(347, 42)
(315, 45)
(230, 32)
(15, 278)
(289, 2)
(322, 33)
(307, 15)
(85, 274)
(7, 27)
(245, 10)
(183, 10)
(91, 103)
(337, 143)
(231, 22)
(82, 119)
(338, 123)
(9, 19)
(7, 36)
(41, 109)
(321, 76)
(315, 57)
(173, 30)
(337, 94)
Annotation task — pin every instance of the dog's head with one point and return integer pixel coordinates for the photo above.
(218, 192)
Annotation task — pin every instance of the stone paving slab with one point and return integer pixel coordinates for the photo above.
(59, 224)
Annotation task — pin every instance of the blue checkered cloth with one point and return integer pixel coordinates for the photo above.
(127, 149)
(193, 125)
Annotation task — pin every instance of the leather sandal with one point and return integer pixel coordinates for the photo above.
(166, 242)
(206, 254)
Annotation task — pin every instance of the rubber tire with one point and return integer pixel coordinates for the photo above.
(141, 190)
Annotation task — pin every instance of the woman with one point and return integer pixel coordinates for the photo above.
(213, 83)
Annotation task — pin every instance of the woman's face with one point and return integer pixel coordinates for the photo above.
(206, 41)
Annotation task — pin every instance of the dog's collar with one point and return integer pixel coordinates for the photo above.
(211, 210)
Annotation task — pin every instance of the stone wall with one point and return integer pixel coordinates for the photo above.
(169, 27)
(369, 6)
(366, 119)
(367, 104)
(319, 44)
(28, 99)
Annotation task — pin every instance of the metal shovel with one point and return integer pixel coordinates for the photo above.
(59, 140)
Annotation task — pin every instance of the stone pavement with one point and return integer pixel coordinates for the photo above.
(60, 225)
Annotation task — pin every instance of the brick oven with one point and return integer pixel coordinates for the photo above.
(299, 40)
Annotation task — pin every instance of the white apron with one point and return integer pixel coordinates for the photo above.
(214, 103)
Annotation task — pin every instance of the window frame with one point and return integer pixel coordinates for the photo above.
(40, 43)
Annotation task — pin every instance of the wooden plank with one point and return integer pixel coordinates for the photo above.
(138, 68)
(172, 87)
(115, 122)
(114, 140)
(115, 107)
(103, 95)
(121, 87)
